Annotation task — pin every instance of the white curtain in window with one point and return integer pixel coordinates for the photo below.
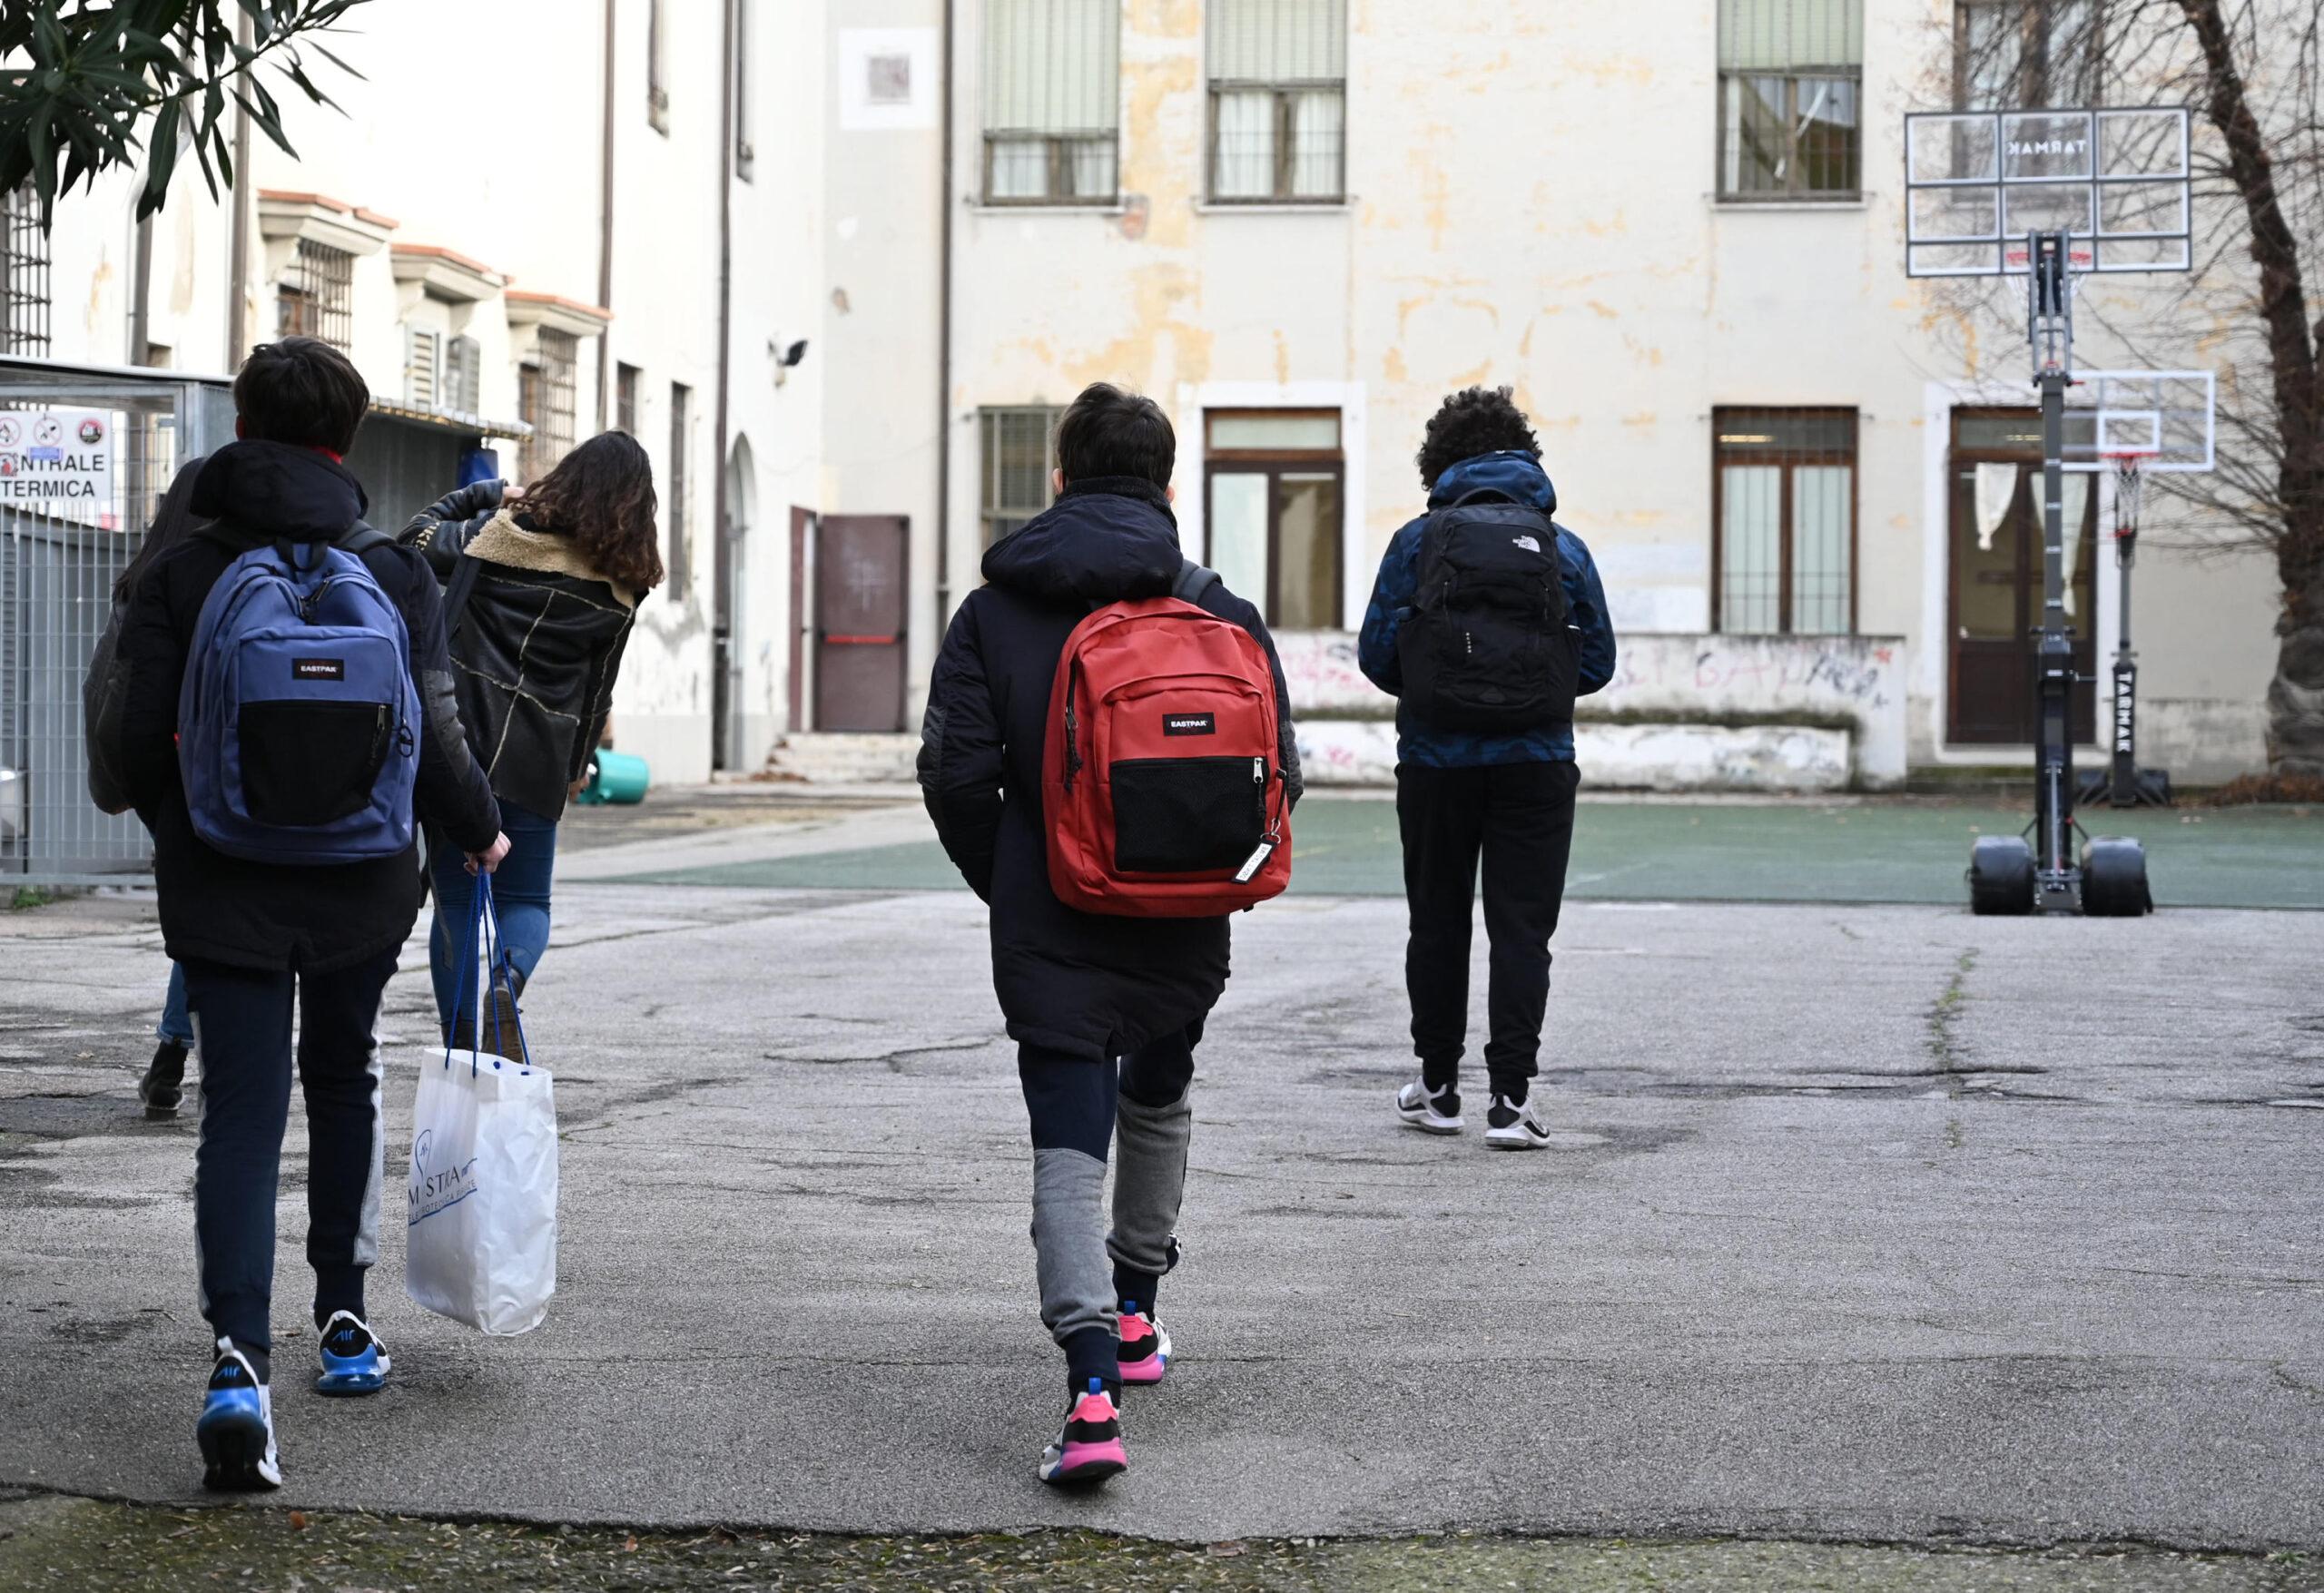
(1245, 134)
(2073, 499)
(1277, 41)
(1239, 532)
(1820, 504)
(1996, 490)
(1750, 547)
(1052, 65)
(1775, 35)
(1021, 168)
(1318, 135)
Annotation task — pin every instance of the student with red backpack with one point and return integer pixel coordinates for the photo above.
(1107, 755)
(287, 716)
(1487, 621)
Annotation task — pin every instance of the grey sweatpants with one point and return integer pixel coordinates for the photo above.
(1142, 1107)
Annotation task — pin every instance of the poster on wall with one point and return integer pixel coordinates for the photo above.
(57, 463)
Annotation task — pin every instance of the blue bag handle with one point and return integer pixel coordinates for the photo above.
(483, 947)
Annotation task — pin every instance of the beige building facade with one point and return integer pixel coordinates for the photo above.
(1673, 227)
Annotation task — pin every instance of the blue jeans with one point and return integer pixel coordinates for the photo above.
(177, 1023)
(519, 895)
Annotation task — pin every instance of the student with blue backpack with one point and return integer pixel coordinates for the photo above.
(288, 715)
(1487, 621)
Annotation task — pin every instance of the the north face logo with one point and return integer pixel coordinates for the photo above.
(1530, 544)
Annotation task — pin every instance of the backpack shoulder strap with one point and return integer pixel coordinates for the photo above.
(360, 539)
(464, 568)
(1193, 581)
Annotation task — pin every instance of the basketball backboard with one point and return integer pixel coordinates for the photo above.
(1977, 182)
(2167, 416)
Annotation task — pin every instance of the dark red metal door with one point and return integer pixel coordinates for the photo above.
(860, 564)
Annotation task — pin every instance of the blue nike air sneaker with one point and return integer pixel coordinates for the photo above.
(353, 1361)
(236, 1429)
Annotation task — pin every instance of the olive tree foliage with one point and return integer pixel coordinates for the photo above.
(90, 85)
(2252, 72)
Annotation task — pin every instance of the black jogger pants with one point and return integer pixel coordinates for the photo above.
(1518, 818)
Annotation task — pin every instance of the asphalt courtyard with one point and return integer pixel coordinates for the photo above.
(1867, 1220)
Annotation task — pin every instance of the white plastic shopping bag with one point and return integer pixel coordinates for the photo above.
(481, 1243)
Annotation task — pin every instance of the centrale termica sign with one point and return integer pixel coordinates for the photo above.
(58, 461)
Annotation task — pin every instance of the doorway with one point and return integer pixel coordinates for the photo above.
(1995, 600)
(859, 625)
(729, 734)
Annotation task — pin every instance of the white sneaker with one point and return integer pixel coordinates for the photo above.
(1509, 1127)
(1430, 1111)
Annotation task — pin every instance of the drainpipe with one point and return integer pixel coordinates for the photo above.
(605, 222)
(141, 289)
(239, 252)
(721, 600)
(944, 350)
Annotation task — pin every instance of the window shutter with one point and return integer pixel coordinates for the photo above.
(1789, 35)
(1052, 65)
(1279, 41)
(463, 374)
(420, 384)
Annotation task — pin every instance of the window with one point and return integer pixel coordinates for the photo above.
(1018, 449)
(1790, 84)
(657, 59)
(681, 516)
(625, 399)
(24, 274)
(1052, 100)
(1783, 521)
(545, 400)
(2025, 54)
(423, 352)
(1278, 101)
(463, 375)
(312, 300)
(745, 152)
(1275, 511)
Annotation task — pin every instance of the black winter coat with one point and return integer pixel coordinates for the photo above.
(537, 646)
(219, 908)
(1081, 983)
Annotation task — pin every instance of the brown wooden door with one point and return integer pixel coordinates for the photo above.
(1995, 537)
(860, 564)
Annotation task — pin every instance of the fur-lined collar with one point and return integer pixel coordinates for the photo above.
(504, 542)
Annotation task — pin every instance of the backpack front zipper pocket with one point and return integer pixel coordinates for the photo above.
(306, 763)
(1187, 815)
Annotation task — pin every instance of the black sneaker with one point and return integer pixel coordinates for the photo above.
(164, 1084)
(236, 1429)
(1517, 1127)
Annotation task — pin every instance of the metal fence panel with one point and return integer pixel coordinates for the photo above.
(57, 567)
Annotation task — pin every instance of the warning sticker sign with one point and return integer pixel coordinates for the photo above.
(57, 462)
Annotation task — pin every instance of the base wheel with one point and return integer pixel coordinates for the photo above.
(2000, 876)
(2113, 879)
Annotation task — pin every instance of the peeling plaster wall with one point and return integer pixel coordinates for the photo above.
(1534, 203)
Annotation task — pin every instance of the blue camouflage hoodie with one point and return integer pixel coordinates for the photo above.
(1519, 476)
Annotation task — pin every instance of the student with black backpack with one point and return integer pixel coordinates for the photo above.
(1109, 760)
(287, 714)
(1487, 621)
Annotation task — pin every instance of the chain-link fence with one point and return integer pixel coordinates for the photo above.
(85, 456)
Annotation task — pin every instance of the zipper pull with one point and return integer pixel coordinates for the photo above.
(1259, 771)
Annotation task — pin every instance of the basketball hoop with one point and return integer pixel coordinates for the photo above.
(2128, 467)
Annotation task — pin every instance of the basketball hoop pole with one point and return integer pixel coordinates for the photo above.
(2049, 290)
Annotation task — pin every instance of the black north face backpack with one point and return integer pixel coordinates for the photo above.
(1487, 646)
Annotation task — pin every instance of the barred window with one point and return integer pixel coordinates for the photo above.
(544, 401)
(1019, 451)
(463, 383)
(1783, 538)
(1791, 101)
(625, 399)
(2025, 54)
(24, 274)
(1278, 101)
(1052, 102)
(314, 298)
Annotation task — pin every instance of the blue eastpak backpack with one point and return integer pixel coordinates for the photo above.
(298, 720)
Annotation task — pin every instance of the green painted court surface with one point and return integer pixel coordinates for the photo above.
(1874, 851)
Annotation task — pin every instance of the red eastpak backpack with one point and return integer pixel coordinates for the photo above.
(1161, 788)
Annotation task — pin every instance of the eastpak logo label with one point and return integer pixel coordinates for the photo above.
(1190, 725)
(318, 669)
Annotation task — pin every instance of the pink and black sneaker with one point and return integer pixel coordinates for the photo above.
(1145, 1346)
(1090, 1450)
